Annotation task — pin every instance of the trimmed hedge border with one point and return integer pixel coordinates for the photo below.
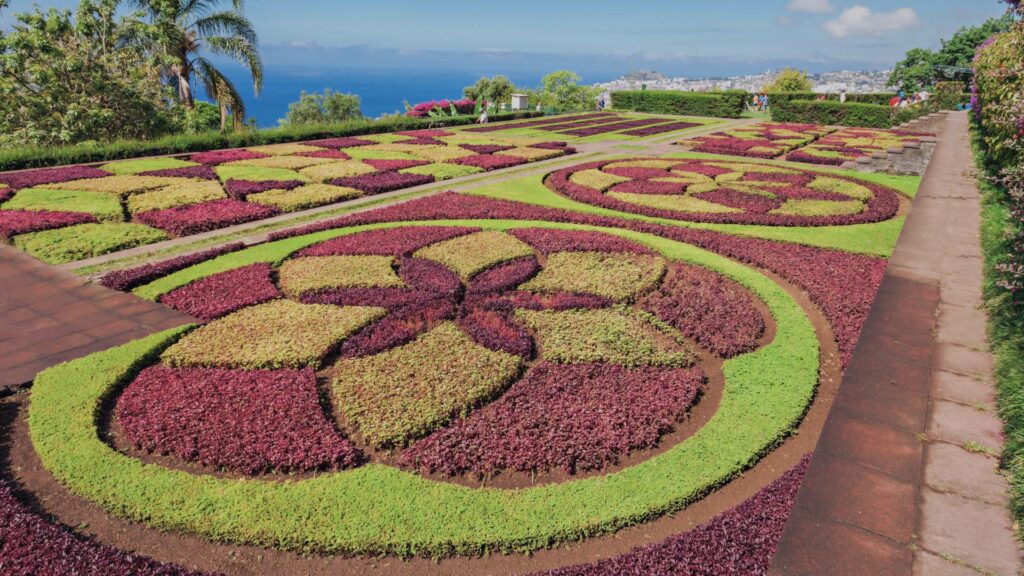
(20, 158)
(729, 104)
(855, 114)
(378, 509)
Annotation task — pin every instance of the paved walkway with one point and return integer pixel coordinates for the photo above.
(904, 480)
(49, 316)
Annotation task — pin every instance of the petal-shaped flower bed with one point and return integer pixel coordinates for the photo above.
(220, 294)
(764, 140)
(721, 191)
(851, 143)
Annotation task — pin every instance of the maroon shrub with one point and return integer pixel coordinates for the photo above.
(385, 242)
(648, 187)
(202, 171)
(225, 292)
(332, 154)
(390, 298)
(429, 275)
(554, 146)
(188, 220)
(485, 148)
(637, 172)
(752, 203)
(562, 417)
(240, 189)
(394, 164)
(716, 312)
(380, 182)
(548, 240)
(247, 421)
(503, 276)
(801, 156)
(14, 222)
(660, 129)
(30, 545)
(739, 542)
(125, 280)
(423, 142)
(343, 142)
(215, 157)
(700, 168)
(427, 133)
(594, 130)
(6, 194)
(399, 327)
(497, 332)
(30, 178)
(489, 161)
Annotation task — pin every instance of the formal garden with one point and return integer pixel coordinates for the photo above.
(597, 342)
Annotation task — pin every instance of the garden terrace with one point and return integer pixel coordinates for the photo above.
(621, 361)
(765, 140)
(852, 143)
(597, 126)
(65, 214)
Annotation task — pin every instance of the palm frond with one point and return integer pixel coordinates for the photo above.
(243, 51)
(220, 88)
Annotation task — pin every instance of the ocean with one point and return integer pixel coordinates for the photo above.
(381, 91)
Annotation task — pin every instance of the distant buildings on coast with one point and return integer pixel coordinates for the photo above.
(859, 82)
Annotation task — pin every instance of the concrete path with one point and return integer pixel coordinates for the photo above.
(904, 479)
(49, 316)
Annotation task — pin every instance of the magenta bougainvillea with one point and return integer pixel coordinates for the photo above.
(222, 293)
(570, 418)
(198, 218)
(738, 542)
(246, 421)
(14, 222)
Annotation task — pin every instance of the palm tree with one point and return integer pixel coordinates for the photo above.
(177, 31)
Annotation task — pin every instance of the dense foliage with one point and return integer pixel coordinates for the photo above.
(715, 104)
(790, 80)
(327, 108)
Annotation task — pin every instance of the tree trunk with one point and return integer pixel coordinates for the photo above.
(223, 117)
(184, 73)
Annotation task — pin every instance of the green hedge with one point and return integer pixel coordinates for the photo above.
(849, 114)
(874, 98)
(32, 157)
(715, 104)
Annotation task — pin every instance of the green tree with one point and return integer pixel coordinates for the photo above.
(327, 108)
(790, 80)
(67, 79)
(922, 68)
(177, 32)
(497, 90)
(562, 90)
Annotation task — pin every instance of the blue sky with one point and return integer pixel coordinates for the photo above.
(670, 35)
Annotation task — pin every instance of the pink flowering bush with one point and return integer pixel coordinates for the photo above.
(465, 106)
(204, 217)
(247, 421)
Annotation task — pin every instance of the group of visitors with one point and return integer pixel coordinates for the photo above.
(759, 102)
(902, 100)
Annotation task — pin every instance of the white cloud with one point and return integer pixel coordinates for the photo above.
(784, 21)
(812, 6)
(862, 21)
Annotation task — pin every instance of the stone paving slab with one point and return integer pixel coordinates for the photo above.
(911, 438)
(51, 316)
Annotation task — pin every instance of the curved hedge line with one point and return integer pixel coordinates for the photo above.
(378, 509)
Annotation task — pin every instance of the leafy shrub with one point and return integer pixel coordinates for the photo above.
(188, 220)
(127, 279)
(247, 421)
(301, 276)
(301, 198)
(175, 195)
(103, 206)
(616, 276)
(223, 293)
(380, 182)
(279, 334)
(386, 242)
(72, 243)
(714, 104)
(129, 167)
(473, 253)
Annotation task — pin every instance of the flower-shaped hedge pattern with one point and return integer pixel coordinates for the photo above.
(211, 190)
(723, 191)
(425, 338)
(852, 143)
(765, 140)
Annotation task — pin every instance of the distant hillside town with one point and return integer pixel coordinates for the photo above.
(861, 81)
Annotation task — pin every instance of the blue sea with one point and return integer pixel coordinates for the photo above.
(381, 91)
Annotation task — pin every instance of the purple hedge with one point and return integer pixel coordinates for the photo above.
(554, 146)
(504, 276)
(572, 418)
(751, 203)
(616, 127)
(380, 182)
(332, 154)
(485, 148)
(247, 421)
(548, 240)
(240, 189)
(215, 157)
(206, 216)
(661, 129)
(392, 165)
(390, 298)
(497, 332)
(842, 284)
(14, 222)
(343, 142)
(399, 328)
(427, 133)
(225, 292)
(30, 178)
(385, 242)
(30, 545)
(739, 542)
(125, 280)
(429, 275)
(716, 312)
(201, 171)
